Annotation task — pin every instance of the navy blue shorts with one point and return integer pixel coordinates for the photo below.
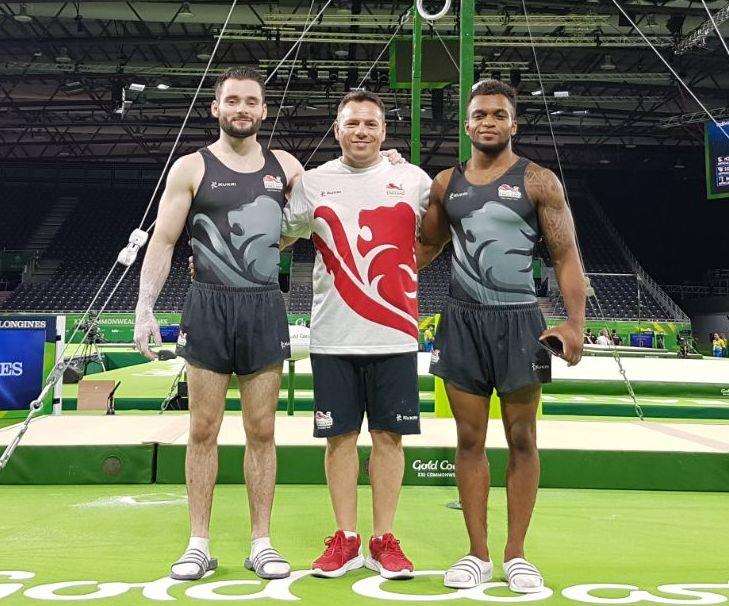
(480, 348)
(383, 386)
(233, 330)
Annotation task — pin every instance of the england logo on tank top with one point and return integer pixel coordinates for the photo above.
(272, 183)
(509, 192)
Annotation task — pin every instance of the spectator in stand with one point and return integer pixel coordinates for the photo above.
(604, 339)
(717, 345)
(428, 338)
(615, 337)
(724, 351)
(589, 338)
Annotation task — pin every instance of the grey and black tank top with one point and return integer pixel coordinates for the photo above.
(235, 223)
(494, 228)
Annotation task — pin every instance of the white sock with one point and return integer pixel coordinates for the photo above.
(378, 538)
(350, 534)
(201, 544)
(257, 546)
(195, 543)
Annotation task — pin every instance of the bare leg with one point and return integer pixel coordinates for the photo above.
(387, 465)
(342, 467)
(471, 413)
(207, 404)
(259, 397)
(519, 412)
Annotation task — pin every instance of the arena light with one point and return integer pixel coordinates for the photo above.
(163, 86)
(22, 15)
(74, 86)
(561, 94)
(63, 57)
(607, 64)
(185, 10)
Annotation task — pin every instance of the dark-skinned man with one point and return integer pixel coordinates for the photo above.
(495, 208)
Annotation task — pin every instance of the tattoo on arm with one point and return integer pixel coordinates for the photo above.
(558, 228)
(555, 218)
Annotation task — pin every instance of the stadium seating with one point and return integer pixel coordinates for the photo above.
(27, 205)
(87, 247)
(90, 240)
(300, 297)
(618, 299)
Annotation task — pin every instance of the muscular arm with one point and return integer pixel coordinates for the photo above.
(558, 229)
(171, 216)
(293, 170)
(434, 230)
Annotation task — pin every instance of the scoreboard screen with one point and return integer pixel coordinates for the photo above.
(717, 160)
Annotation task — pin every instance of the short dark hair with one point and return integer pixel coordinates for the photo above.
(240, 73)
(494, 87)
(361, 95)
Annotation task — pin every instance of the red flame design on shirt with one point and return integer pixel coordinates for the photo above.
(391, 274)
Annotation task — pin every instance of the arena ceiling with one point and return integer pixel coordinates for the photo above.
(65, 68)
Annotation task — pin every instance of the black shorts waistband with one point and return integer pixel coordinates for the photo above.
(234, 289)
(505, 307)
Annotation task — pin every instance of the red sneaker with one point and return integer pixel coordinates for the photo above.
(342, 554)
(387, 558)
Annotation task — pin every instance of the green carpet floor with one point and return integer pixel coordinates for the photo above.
(130, 534)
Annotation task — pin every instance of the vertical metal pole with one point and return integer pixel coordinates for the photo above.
(415, 92)
(291, 381)
(466, 77)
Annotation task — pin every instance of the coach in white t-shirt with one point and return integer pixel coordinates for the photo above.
(363, 214)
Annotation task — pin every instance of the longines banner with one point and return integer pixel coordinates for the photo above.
(22, 355)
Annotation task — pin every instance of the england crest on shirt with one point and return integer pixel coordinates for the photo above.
(272, 183)
(510, 192)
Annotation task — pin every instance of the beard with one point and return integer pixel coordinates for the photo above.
(492, 149)
(239, 133)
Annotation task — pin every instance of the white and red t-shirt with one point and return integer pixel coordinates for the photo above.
(364, 224)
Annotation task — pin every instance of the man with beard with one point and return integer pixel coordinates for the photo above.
(495, 208)
(231, 195)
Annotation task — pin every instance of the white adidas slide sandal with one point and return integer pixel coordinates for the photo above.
(468, 572)
(522, 576)
(197, 558)
(264, 557)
